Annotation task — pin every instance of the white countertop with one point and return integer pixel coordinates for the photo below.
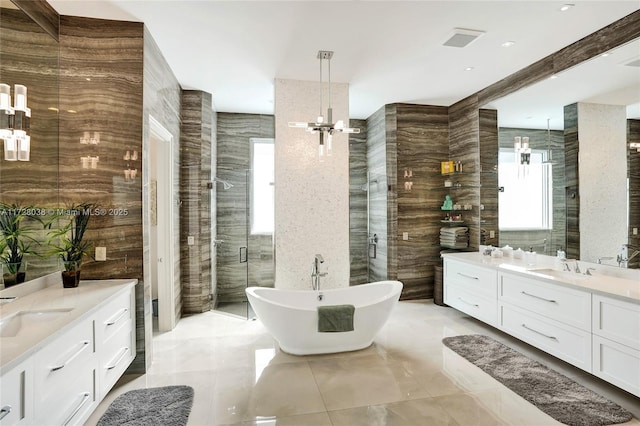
(615, 282)
(82, 301)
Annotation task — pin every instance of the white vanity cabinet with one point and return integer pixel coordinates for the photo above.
(63, 377)
(471, 289)
(553, 318)
(616, 342)
(16, 389)
(115, 337)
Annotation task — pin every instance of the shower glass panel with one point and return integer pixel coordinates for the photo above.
(245, 248)
(377, 227)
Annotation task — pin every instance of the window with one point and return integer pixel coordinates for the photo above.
(526, 202)
(262, 206)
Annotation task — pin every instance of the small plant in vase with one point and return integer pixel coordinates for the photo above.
(16, 241)
(68, 241)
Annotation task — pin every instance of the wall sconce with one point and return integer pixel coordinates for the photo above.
(130, 174)
(90, 162)
(15, 123)
(87, 139)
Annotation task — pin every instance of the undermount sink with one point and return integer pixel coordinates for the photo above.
(562, 275)
(12, 325)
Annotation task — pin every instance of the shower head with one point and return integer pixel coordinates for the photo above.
(225, 184)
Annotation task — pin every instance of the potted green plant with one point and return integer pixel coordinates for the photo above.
(68, 241)
(16, 241)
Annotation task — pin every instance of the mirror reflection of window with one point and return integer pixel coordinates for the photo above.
(527, 200)
(262, 204)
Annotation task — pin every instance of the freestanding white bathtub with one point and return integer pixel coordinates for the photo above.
(292, 319)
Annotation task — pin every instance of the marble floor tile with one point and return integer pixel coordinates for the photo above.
(407, 377)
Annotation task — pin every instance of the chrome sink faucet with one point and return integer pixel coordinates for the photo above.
(315, 272)
(623, 258)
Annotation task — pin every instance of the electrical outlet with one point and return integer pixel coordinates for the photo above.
(492, 234)
(101, 254)
(635, 231)
(191, 240)
(405, 236)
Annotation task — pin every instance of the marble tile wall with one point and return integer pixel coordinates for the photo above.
(312, 194)
(195, 211)
(43, 14)
(602, 132)
(358, 240)
(633, 136)
(556, 237)
(233, 134)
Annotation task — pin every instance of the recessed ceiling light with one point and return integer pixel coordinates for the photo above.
(566, 7)
(605, 54)
(508, 43)
(468, 69)
(553, 77)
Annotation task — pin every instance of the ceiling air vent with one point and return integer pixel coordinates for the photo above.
(462, 37)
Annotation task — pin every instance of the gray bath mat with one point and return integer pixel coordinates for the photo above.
(167, 406)
(556, 395)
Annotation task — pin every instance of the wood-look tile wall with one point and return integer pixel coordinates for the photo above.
(161, 100)
(195, 211)
(104, 67)
(358, 189)
(488, 140)
(572, 179)
(464, 138)
(234, 133)
(633, 136)
(377, 166)
(422, 143)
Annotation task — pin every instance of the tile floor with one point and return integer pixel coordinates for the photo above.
(407, 377)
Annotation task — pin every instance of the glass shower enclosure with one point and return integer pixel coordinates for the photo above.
(244, 244)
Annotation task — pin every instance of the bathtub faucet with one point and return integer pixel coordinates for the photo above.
(315, 272)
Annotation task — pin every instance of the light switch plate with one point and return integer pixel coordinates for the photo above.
(492, 234)
(191, 240)
(101, 254)
(405, 236)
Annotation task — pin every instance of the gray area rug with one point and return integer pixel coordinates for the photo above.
(553, 393)
(167, 406)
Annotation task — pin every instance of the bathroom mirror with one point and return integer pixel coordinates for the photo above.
(29, 57)
(538, 112)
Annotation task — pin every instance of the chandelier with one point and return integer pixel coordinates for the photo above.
(324, 125)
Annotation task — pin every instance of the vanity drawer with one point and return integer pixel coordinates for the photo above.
(71, 404)
(561, 340)
(16, 395)
(111, 317)
(69, 356)
(478, 306)
(482, 281)
(617, 320)
(617, 364)
(115, 356)
(556, 302)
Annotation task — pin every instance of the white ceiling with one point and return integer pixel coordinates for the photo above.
(388, 51)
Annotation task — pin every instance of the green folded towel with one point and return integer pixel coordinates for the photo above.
(335, 318)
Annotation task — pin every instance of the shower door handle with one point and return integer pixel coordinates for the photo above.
(243, 254)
